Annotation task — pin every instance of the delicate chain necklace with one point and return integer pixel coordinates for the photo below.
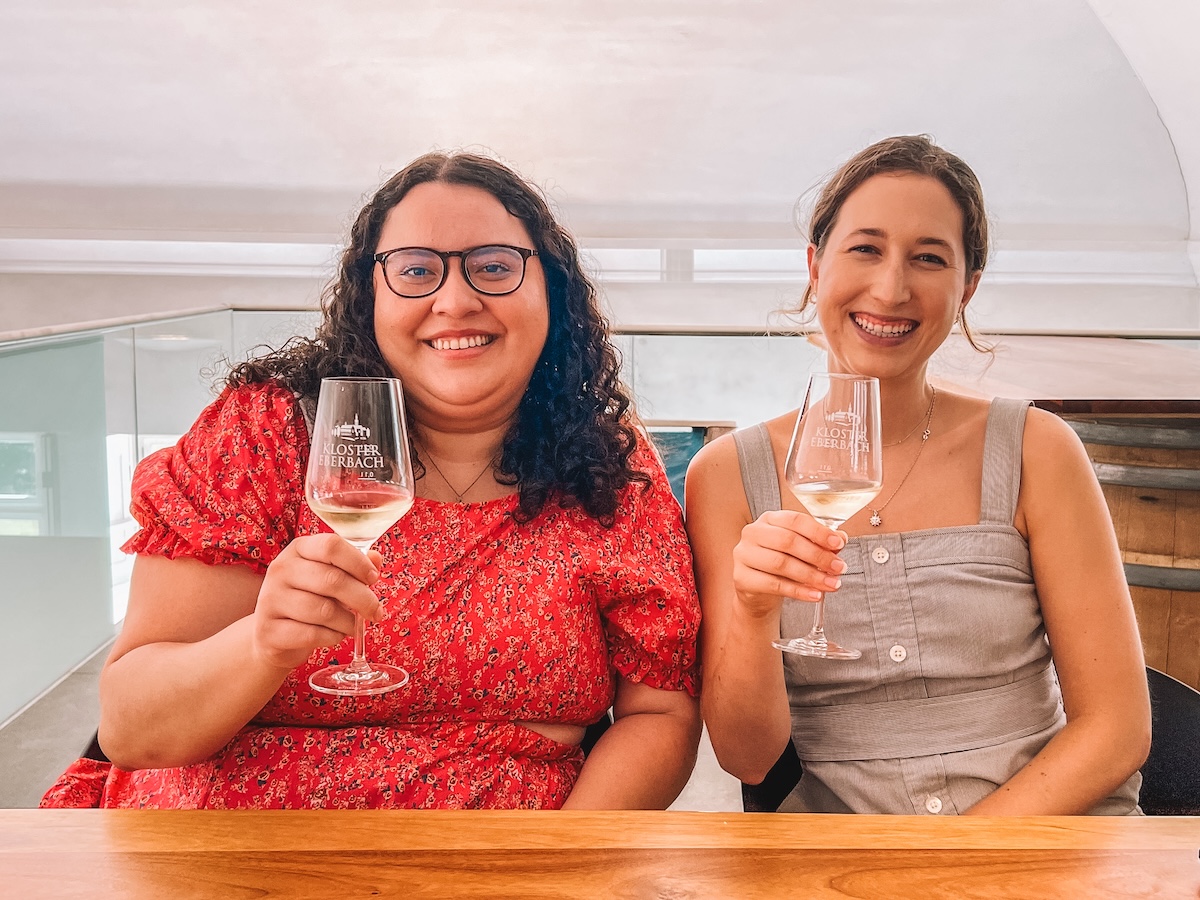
(875, 519)
(924, 418)
(458, 495)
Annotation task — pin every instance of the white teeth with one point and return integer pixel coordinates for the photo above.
(883, 330)
(461, 343)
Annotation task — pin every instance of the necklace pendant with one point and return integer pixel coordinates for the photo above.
(875, 520)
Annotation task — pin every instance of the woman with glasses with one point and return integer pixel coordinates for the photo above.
(1000, 669)
(541, 577)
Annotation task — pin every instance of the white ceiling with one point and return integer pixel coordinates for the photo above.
(652, 123)
(1159, 39)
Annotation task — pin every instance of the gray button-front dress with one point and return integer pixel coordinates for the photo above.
(955, 690)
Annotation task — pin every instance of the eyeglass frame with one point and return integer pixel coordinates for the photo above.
(444, 256)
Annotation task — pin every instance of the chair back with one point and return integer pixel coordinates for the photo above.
(773, 790)
(1171, 773)
(678, 441)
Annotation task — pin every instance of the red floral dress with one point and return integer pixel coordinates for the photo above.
(496, 621)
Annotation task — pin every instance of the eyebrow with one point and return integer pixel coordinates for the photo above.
(923, 241)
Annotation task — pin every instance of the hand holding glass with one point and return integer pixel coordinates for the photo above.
(834, 467)
(359, 483)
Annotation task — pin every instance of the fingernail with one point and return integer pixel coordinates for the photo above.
(839, 566)
(834, 583)
(836, 542)
(815, 595)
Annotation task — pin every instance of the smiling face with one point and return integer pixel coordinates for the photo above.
(465, 358)
(891, 277)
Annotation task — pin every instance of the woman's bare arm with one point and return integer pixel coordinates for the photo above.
(646, 757)
(204, 647)
(1092, 631)
(743, 570)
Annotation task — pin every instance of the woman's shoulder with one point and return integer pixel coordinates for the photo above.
(714, 477)
(259, 406)
(248, 422)
(722, 453)
(1044, 428)
(270, 397)
(1050, 447)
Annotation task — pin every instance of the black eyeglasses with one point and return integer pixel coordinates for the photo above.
(495, 269)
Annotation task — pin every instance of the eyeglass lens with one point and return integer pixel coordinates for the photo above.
(417, 272)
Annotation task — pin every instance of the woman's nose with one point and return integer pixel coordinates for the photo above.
(891, 282)
(456, 297)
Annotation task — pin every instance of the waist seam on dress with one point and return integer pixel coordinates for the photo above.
(927, 726)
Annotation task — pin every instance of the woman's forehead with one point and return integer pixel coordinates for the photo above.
(894, 202)
(450, 217)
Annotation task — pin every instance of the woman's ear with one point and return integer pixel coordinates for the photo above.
(814, 263)
(969, 290)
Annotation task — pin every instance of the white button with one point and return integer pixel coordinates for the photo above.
(934, 805)
(898, 653)
(880, 555)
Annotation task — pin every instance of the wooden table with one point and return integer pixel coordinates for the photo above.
(342, 855)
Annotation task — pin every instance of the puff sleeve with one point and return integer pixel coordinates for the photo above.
(230, 490)
(646, 587)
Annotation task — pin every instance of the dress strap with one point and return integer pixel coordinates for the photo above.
(1002, 445)
(757, 464)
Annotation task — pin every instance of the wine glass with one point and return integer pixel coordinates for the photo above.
(834, 467)
(359, 483)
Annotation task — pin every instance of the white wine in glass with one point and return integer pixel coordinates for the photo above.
(359, 483)
(834, 467)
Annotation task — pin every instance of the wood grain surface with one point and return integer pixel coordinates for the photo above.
(342, 855)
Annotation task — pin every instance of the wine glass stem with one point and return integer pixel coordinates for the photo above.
(817, 633)
(359, 665)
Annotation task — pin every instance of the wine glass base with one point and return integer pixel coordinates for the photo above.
(825, 649)
(341, 682)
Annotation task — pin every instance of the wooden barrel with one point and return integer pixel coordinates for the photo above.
(1150, 472)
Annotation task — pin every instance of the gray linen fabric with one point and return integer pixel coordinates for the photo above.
(955, 690)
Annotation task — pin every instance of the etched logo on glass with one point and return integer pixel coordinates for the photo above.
(348, 449)
(843, 430)
(351, 432)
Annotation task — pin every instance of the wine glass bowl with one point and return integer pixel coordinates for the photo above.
(834, 467)
(359, 483)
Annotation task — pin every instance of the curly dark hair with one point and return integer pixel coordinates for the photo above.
(574, 431)
(905, 153)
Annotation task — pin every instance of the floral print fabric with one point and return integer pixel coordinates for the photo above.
(496, 621)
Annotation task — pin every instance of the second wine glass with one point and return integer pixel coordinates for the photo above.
(834, 467)
(359, 483)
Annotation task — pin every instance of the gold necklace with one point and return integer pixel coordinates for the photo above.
(458, 495)
(875, 519)
(924, 418)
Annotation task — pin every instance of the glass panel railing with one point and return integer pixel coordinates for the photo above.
(77, 414)
(54, 514)
(121, 452)
(256, 330)
(176, 363)
(737, 378)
